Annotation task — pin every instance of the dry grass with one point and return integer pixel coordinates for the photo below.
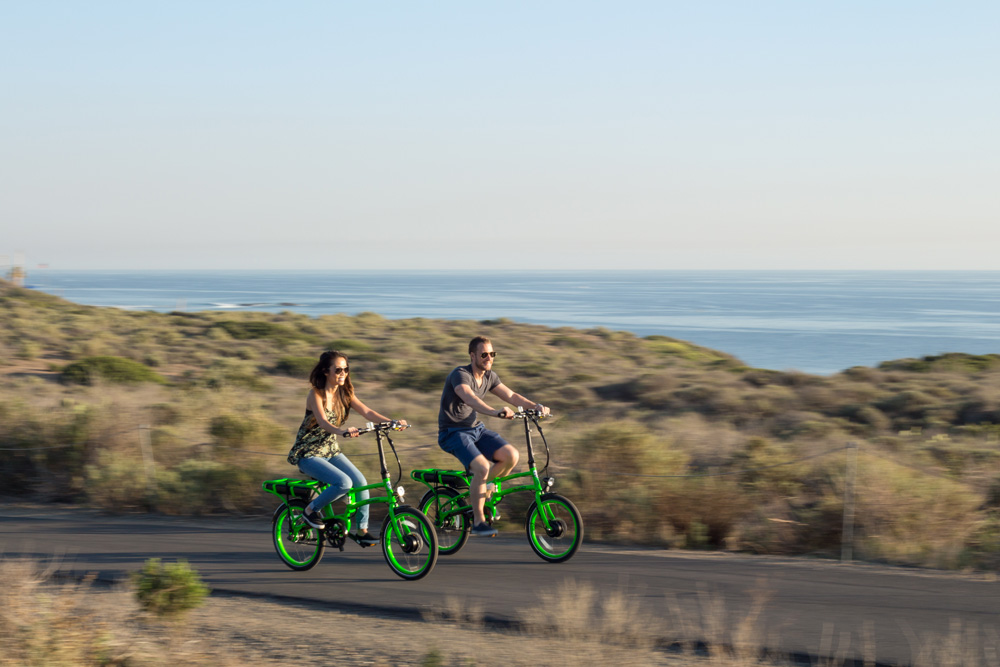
(49, 624)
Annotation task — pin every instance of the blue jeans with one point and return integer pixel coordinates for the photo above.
(342, 476)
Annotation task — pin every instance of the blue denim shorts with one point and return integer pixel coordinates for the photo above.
(466, 443)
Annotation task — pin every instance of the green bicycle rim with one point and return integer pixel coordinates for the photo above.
(392, 544)
(537, 533)
(284, 522)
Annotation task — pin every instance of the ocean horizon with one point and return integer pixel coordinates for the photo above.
(817, 322)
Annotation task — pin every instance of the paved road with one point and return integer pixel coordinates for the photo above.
(807, 600)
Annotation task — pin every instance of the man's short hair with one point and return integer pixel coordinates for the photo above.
(476, 342)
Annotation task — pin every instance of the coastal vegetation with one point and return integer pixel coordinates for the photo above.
(657, 440)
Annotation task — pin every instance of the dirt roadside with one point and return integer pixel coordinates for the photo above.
(229, 630)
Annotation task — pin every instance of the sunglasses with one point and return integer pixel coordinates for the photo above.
(343, 370)
(484, 355)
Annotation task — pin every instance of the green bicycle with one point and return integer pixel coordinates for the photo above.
(409, 542)
(553, 524)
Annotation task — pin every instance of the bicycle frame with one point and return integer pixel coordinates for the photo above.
(459, 504)
(393, 498)
(406, 532)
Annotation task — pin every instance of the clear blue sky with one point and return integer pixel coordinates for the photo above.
(514, 135)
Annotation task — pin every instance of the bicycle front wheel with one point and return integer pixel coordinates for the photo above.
(452, 532)
(554, 527)
(299, 545)
(409, 543)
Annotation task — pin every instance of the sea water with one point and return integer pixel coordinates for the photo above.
(813, 321)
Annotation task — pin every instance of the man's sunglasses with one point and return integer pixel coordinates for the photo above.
(484, 355)
(341, 371)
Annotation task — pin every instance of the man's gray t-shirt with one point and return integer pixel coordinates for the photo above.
(455, 411)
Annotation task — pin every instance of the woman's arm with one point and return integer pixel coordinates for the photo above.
(370, 414)
(315, 405)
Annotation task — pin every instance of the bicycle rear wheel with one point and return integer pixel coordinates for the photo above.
(554, 527)
(299, 545)
(453, 532)
(410, 547)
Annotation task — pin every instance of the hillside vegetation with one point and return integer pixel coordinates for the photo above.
(658, 441)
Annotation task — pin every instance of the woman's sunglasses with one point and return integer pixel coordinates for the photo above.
(341, 370)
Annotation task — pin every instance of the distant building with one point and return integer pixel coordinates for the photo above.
(17, 276)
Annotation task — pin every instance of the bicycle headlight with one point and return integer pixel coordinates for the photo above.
(400, 491)
(549, 481)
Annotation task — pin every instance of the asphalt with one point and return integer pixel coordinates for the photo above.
(808, 607)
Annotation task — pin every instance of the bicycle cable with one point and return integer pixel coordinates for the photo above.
(399, 466)
(545, 470)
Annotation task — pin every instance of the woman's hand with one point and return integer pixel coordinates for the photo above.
(350, 432)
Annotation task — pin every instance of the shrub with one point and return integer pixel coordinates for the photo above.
(419, 378)
(116, 483)
(298, 367)
(254, 330)
(248, 430)
(205, 487)
(168, 590)
(349, 346)
(671, 347)
(232, 373)
(117, 370)
(909, 517)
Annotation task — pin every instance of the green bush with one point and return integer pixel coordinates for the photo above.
(117, 483)
(254, 330)
(205, 487)
(117, 370)
(349, 346)
(419, 378)
(246, 431)
(297, 367)
(168, 590)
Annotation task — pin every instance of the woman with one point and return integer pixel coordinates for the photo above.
(316, 451)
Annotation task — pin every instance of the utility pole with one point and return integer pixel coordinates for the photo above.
(847, 536)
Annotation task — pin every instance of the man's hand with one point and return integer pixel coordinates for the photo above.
(505, 413)
(542, 409)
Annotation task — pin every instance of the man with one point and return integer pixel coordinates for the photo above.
(484, 453)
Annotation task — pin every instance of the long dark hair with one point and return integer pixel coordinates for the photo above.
(341, 395)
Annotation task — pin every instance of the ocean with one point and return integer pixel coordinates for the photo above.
(817, 322)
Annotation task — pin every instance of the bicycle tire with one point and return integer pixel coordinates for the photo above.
(561, 542)
(452, 534)
(299, 545)
(412, 551)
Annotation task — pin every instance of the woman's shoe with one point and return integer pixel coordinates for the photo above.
(314, 519)
(365, 540)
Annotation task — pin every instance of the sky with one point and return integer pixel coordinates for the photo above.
(504, 135)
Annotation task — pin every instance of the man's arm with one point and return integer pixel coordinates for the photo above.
(504, 392)
(464, 392)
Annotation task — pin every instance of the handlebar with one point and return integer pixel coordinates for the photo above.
(530, 414)
(383, 427)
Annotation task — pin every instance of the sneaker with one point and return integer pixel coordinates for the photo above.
(314, 519)
(483, 530)
(366, 540)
